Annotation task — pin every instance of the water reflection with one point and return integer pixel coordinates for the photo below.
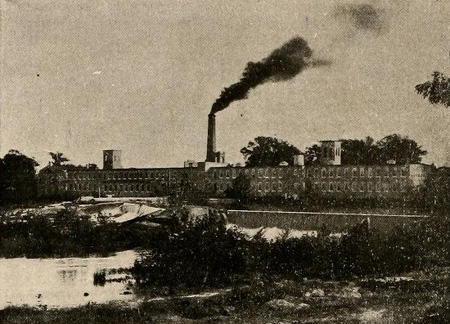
(68, 274)
(64, 282)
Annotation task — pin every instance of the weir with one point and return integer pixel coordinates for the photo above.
(314, 221)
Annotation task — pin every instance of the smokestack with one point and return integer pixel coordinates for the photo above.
(211, 144)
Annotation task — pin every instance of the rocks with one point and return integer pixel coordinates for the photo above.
(284, 305)
(350, 292)
(227, 310)
(315, 293)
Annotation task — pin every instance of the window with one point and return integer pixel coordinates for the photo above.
(362, 187)
(324, 173)
(354, 172)
(330, 187)
(369, 172)
(377, 172)
(346, 186)
(330, 172)
(361, 172)
(354, 186)
(378, 187)
(338, 172)
(259, 186)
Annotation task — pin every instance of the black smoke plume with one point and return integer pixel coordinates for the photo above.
(363, 16)
(282, 64)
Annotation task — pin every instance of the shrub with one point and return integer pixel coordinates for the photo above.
(193, 253)
(202, 253)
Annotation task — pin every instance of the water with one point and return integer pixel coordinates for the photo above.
(64, 282)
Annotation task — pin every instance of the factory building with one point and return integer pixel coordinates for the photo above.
(212, 177)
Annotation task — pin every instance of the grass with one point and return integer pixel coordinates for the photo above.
(398, 303)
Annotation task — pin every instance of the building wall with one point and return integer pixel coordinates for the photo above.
(390, 181)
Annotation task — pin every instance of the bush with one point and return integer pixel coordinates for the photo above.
(193, 253)
(204, 253)
(67, 234)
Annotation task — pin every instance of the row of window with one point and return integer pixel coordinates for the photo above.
(116, 187)
(354, 172)
(273, 173)
(359, 187)
(152, 175)
(231, 173)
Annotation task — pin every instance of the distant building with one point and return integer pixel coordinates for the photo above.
(112, 159)
(331, 153)
(328, 179)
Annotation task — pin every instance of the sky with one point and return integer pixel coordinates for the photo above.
(141, 75)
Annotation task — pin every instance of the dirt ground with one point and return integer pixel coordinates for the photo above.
(414, 298)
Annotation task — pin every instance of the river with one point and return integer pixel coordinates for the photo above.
(62, 282)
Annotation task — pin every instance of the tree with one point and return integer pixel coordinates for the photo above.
(312, 155)
(394, 147)
(240, 187)
(58, 158)
(18, 178)
(268, 151)
(437, 91)
(402, 150)
(356, 152)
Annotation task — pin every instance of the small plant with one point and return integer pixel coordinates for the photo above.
(100, 277)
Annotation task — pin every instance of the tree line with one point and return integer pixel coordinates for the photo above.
(19, 179)
(394, 148)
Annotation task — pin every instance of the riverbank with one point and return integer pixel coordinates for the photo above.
(416, 298)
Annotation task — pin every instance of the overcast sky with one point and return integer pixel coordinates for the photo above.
(141, 76)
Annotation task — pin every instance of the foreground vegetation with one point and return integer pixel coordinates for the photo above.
(326, 279)
(403, 302)
(204, 253)
(67, 234)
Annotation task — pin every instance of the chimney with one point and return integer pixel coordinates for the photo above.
(211, 144)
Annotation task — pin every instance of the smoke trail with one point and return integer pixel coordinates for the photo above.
(363, 16)
(282, 64)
